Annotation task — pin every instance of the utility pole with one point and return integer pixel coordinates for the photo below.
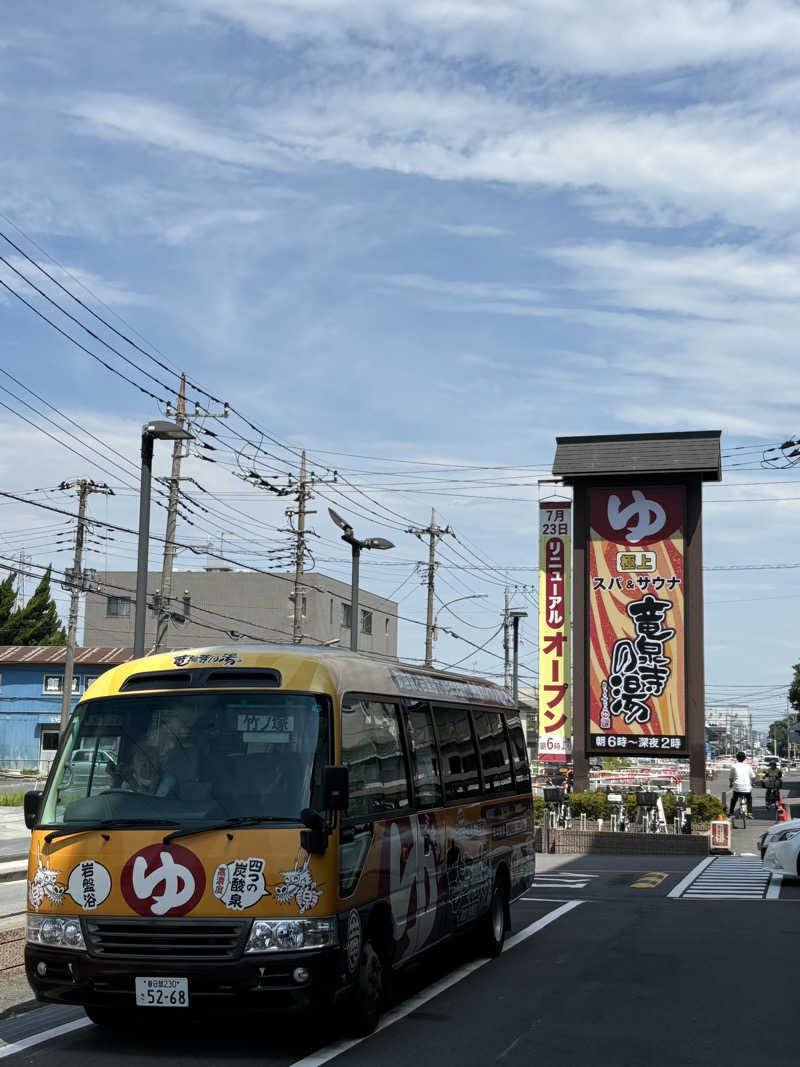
(24, 560)
(515, 617)
(432, 532)
(302, 491)
(303, 495)
(788, 726)
(165, 594)
(165, 590)
(76, 583)
(506, 646)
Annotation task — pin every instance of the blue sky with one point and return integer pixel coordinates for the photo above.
(441, 232)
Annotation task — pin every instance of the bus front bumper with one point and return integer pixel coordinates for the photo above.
(278, 982)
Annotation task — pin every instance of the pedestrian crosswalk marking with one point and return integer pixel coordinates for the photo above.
(726, 878)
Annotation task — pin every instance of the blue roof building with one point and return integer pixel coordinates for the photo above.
(31, 686)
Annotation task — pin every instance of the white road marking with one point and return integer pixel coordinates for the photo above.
(316, 1059)
(545, 900)
(774, 890)
(725, 878)
(690, 877)
(565, 880)
(37, 1039)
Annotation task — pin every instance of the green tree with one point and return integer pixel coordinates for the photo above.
(37, 623)
(8, 595)
(794, 688)
(777, 736)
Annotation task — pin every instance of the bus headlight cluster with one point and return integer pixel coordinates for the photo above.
(291, 935)
(54, 932)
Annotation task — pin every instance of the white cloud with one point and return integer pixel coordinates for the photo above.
(616, 37)
(71, 277)
(474, 230)
(668, 417)
(464, 291)
(724, 281)
(700, 162)
(124, 117)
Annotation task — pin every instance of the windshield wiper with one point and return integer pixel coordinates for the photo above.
(226, 824)
(106, 824)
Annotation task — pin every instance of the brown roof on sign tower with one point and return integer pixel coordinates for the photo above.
(695, 452)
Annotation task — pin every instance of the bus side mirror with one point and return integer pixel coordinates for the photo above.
(336, 789)
(315, 838)
(30, 805)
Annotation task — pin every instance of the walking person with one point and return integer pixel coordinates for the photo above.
(741, 781)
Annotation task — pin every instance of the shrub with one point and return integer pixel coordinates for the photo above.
(538, 809)
(12, 800)
(593, 805)
(705, 807)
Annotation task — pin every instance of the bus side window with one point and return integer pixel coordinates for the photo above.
(423, 756)
(373, 753)
(494, 751)
(458, 752)
(519, 754)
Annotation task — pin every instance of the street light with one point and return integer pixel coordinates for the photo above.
(157, 430)
(356, 546)
(472, 596)
(515, 617)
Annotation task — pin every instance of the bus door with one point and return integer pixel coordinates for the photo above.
(428, 827)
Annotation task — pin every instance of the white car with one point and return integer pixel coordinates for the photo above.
(780, 848)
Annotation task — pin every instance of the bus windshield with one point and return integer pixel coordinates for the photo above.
(191, 756)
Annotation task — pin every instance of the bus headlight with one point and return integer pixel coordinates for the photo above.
(55, 932)
(291, 935)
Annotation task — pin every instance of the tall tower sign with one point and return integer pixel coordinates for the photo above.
(638, 594)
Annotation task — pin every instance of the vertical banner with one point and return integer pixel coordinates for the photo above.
(555, 636)
(637, 690)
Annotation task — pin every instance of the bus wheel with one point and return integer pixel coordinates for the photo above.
(110, 1018)
(369, 992)
(493, 925)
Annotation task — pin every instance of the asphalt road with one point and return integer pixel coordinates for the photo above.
(604, 968)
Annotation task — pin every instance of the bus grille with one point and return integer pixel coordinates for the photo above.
(174, 939)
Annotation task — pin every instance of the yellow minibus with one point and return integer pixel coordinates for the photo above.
(272, 827)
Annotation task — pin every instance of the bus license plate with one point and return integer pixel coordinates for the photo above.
(162, 992)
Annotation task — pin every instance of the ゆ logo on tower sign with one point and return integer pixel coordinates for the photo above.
(649, 516)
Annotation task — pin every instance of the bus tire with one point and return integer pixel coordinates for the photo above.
(369, 994)
(492, 931)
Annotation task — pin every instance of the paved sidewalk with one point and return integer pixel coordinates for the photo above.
(15, 839)
(745, 842)
(15, 993)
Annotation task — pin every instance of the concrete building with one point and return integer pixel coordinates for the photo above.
(31, 684)
(729, 727)
(213, 606)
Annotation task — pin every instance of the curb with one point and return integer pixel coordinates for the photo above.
(19, 1009)
(13, 870)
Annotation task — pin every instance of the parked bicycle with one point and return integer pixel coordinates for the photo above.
(557, 802)
(619, 812)
(647, 812)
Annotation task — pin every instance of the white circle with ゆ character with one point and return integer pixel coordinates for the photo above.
(353, 940)
(89, 884)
